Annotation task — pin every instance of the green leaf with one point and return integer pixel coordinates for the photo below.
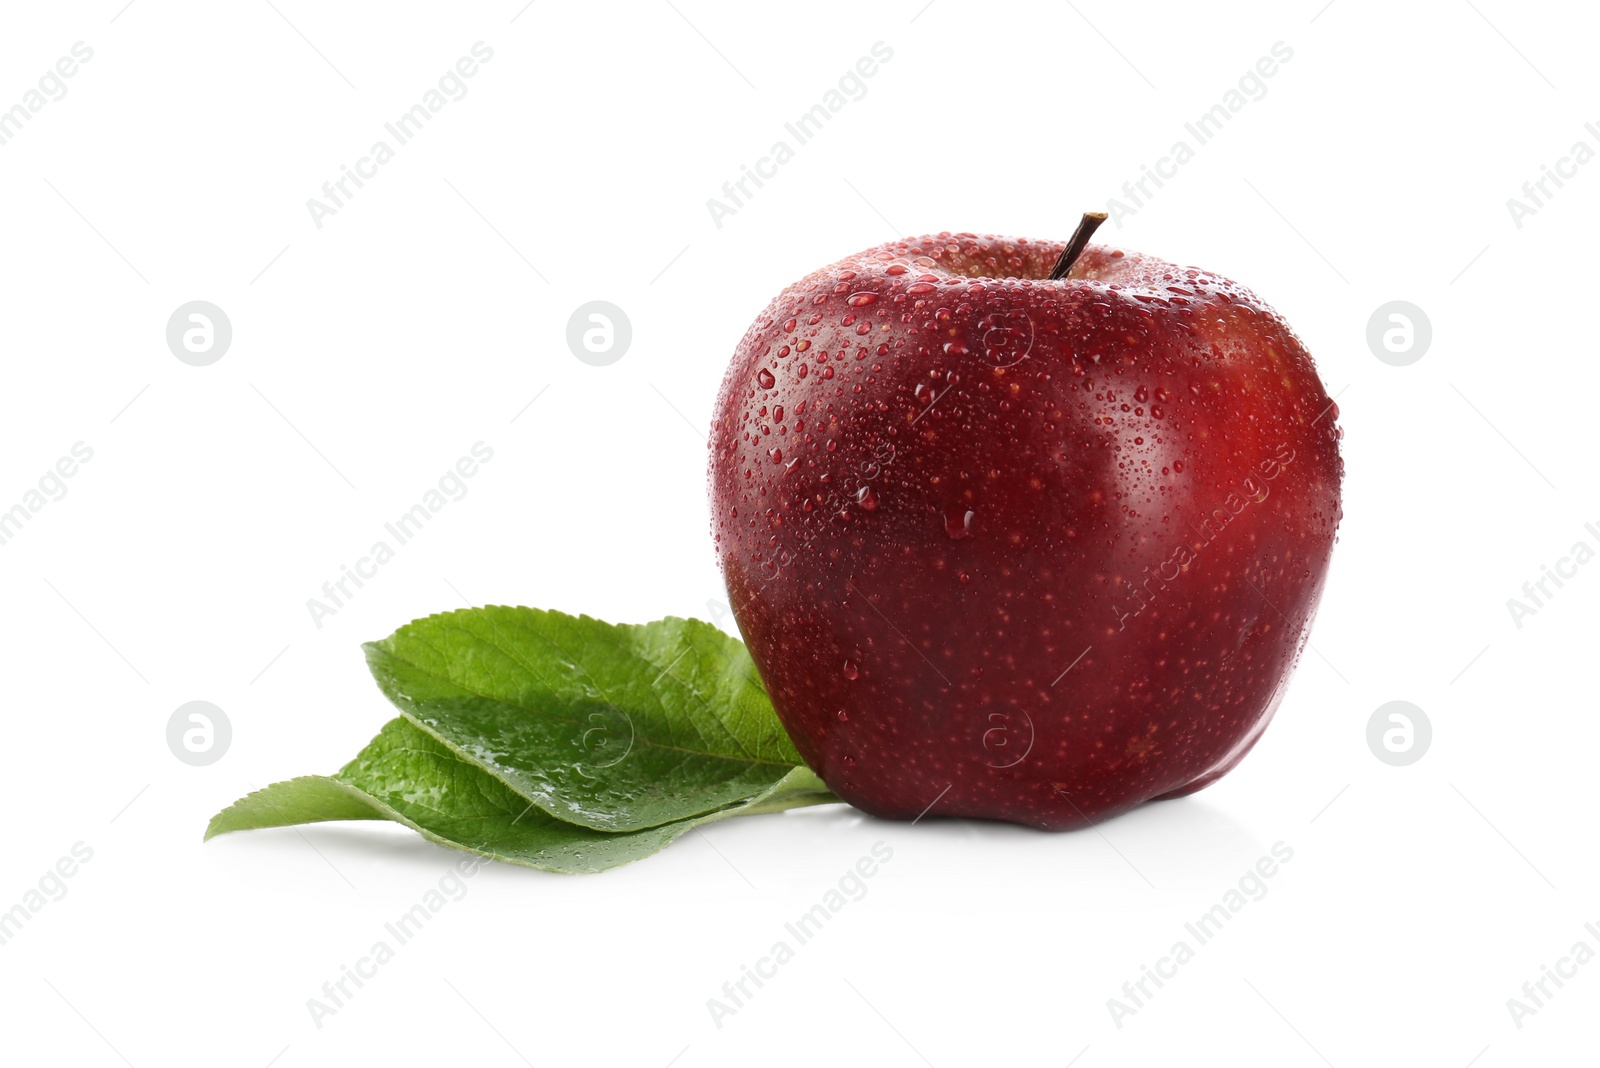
(555, 742)
(611, 727)
(408, 776)
(308, 799)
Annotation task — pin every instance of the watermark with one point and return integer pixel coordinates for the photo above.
(1399, 733)
(851, 886)
(51, 487)
(1007, 339)
(1536, 993)
(851, 86)
(337, 993)
(1251, 86)
(606, 741)
(199, 733)
(48, 888)
(1536, 593)
(450, 87)
(599, 333)
(1399, 333)
(1009, 737)
(199, 333)
(1537, 192)
(451, 486)
(721, 614)
(1251, 490)
(51, 87)
(1251, 886)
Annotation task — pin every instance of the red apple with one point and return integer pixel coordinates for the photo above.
(1019, 546)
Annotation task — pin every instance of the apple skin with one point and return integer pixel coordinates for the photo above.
(1015, 548)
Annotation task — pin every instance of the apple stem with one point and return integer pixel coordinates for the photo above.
(1080, 240)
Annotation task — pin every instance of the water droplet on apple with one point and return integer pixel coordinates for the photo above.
(844, 717)
(867, 498)
(861, 300)
(764, 379)
(849, 763)
(851, 672)
(960, 522)
(777, 456)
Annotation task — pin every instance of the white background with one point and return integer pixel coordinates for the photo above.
(370, 354)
